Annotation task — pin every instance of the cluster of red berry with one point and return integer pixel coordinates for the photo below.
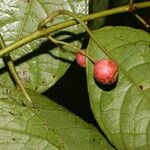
(105, 70)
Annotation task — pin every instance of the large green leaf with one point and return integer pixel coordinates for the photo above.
(123, 110)
(38, 62)
(46, 126)
(22, 128)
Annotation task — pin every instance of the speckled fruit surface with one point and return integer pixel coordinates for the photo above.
(106, 71)
(81, 59)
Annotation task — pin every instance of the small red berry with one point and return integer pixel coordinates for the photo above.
(106, 71)
(81, 59)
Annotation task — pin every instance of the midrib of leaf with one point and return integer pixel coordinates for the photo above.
(63, 111)
(37, 62)
(22, 28)
(24, 19)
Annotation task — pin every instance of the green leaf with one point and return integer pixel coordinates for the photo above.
(123, 111)
(23, 128)
(38, 62)
(45, 126)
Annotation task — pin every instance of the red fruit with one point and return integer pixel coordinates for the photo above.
(106, 71)
(81, 59)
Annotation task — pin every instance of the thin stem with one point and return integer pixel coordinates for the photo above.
(72, 47)
(13, 72)
(44, 32)
(87, 30)
(142, 21)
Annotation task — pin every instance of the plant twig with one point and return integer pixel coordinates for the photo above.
(142, 20)
(13, 72)
(44, 32)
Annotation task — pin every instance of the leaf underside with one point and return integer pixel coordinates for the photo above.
(123, 110)
(45, 126)
(40, 63)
